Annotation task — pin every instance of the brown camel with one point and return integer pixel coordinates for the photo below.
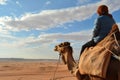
(110, 46)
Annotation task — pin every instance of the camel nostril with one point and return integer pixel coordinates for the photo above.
(55, 49)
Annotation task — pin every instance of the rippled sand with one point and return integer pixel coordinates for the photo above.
(34, 70)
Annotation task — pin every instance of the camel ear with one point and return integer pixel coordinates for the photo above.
(67, 43)
(60, 45)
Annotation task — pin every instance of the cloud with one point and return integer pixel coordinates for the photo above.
(18, 3)
(3, 2)
(82, 1)
(51, 18)
(5, 34)
(75, 36)
(25, 47)
(47, 19)
(48, 2)
(44, 39)
(40, 46)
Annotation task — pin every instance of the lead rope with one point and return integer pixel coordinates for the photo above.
(56, 68)
(116, 40)
(117, 45)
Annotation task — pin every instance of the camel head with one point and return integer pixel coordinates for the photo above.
(66, 51)
(63, 48)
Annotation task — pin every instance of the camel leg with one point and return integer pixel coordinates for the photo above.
(82, 77)
(119, 75)
(96, 78)
(113, 72)
(78, 75)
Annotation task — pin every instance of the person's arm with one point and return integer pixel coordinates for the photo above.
(96, 28)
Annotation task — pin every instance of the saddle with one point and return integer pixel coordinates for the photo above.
(95, 60)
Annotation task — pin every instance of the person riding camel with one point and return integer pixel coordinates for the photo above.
(103, 25)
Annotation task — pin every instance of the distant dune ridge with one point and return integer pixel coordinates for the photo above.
(22, 59)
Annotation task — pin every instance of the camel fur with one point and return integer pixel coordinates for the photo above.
(110, 68)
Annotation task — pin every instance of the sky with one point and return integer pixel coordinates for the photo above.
(31, 28)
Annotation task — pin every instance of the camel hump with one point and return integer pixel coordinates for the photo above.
(100, 54)
(114, 28)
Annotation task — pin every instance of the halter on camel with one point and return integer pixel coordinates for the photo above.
(60, 48)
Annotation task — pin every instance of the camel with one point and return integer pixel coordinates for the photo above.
(113, 68)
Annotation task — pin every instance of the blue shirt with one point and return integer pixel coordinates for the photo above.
(103, 25)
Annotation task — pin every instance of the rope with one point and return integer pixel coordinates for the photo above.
(56, 69)
(117, 57)
(116, 40)
(113, 54)
(110, 51)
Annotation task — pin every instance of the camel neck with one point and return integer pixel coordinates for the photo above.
(71, 64)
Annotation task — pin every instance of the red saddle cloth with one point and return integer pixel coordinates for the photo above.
(95, 60)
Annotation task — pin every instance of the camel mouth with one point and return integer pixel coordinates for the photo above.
(55, 49)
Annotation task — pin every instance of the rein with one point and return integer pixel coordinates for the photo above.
(56, 68)
(117, 57)
(116, 40)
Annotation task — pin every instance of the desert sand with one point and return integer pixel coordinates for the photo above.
(34, 70)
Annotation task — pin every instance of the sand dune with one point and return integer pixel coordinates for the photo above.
(34, 70)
